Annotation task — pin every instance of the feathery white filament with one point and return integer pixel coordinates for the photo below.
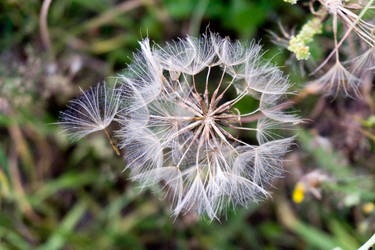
(94, 110)
(180, 125)
(338, 79)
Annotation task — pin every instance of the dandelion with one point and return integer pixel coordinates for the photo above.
(93, 111)
(181, 125)
(339, 80)
(364, 62)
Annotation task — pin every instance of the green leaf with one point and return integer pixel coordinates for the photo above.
(70, 180)
(315, 237)
(66, 227)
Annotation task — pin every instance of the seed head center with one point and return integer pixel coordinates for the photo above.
(208, 119)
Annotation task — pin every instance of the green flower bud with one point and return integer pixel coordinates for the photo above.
(298, 47)
(298, 44)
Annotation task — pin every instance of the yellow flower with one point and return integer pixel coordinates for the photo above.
(299, 192)
(368, 207)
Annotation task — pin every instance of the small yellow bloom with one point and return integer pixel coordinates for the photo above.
(299, 192)
(368, 208)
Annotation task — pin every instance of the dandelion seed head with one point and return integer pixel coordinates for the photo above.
(338, 80)
(92, 111)
(181, 124)
(364, 62)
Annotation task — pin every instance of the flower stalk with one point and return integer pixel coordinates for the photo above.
(115, 148)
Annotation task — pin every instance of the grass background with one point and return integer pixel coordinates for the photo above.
(55, 194)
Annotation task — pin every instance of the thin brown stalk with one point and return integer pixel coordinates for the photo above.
(22, 149)
(20, 194)
(367, 133)
(112, 13)
(115, 148)
(44, 33)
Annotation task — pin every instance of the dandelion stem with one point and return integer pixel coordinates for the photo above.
(115, 148)
(335, 35)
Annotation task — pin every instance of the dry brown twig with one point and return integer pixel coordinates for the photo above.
(112, 13)
(44, 33)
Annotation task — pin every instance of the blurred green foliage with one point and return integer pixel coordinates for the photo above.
(55, 194)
